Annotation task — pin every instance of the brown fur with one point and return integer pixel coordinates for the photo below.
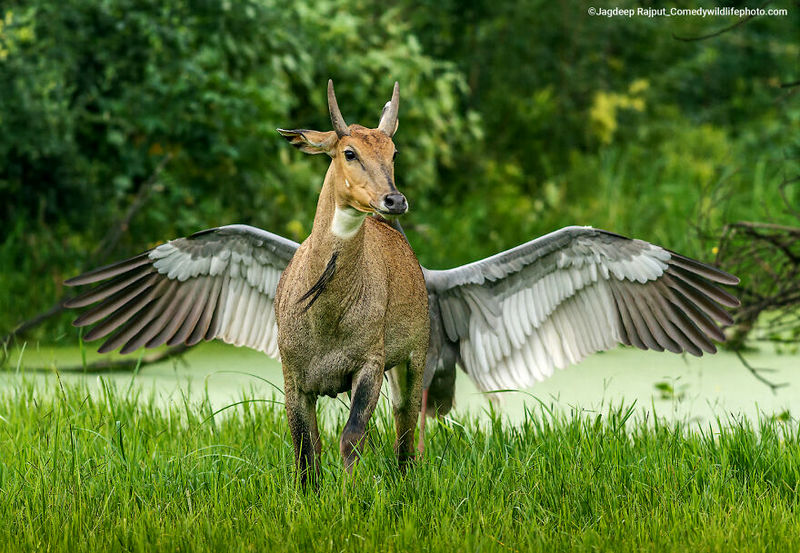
(371, 315)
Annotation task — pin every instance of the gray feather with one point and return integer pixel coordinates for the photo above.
(175, 292)
(658, 300)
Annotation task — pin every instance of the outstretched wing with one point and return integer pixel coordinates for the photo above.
(552, 301)
(217, 283)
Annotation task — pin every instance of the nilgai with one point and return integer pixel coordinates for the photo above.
(351, 302)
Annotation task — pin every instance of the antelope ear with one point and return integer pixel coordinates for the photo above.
(311, 142)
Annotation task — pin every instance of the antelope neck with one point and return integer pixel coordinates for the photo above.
(336, 230)
(341, 223)
(336, 243)
(346, 222)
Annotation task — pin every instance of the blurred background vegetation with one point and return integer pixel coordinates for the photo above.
(129, 122)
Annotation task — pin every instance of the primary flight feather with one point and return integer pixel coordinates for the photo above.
(509, 320)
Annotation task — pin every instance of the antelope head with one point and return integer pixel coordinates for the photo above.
(362, 161)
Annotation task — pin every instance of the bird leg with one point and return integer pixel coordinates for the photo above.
(423, 414)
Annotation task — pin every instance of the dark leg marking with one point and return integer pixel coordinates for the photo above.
(302, 414)
(366, 390)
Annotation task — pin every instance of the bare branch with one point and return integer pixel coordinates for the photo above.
(103, 250)
(755, 371)
(32, 323)
(106, 247)
(721, 31)
(121, 365)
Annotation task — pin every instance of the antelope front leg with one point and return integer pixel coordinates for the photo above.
(302, 413)
(406, 384)
(366, 390)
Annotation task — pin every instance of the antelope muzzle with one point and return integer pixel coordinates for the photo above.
(394, 203)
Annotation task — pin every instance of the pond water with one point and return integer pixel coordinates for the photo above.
(677, 387)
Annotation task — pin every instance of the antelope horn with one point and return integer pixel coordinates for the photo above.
(388, 122)
(336, 116)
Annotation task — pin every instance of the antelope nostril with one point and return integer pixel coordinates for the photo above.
(395, 203)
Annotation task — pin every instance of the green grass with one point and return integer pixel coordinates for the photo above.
(114, 472)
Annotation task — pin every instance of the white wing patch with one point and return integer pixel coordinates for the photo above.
(246, 310)
(556, 321)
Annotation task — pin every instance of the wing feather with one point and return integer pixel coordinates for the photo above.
(203, 323)
(172, 316)
(548, 303)
(628, 324)
(216, 320)
(260, 332)
(217, 283)
(196, 309)
(236, 310)
(151, 321)
(703, 296)
(109, 271)
(664, 313)
(108, 289)
(686, 330)
(114, 302)
(122, 315)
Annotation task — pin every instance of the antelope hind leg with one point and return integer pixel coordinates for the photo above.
(406, 384)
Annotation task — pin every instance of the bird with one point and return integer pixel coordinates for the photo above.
(513, 318)
(508, 321)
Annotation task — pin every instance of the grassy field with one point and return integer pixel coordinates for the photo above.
(114, 472)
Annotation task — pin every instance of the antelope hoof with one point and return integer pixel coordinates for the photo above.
(350, 447)
(404, 461)
(310, 479)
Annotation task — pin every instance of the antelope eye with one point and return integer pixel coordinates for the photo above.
(349, 155)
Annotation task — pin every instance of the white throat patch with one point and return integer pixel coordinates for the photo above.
(346, 222)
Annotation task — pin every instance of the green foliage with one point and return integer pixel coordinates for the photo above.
(516, 118)
(125, 83)
(100, 93)
(111, 471)
(610, 122)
